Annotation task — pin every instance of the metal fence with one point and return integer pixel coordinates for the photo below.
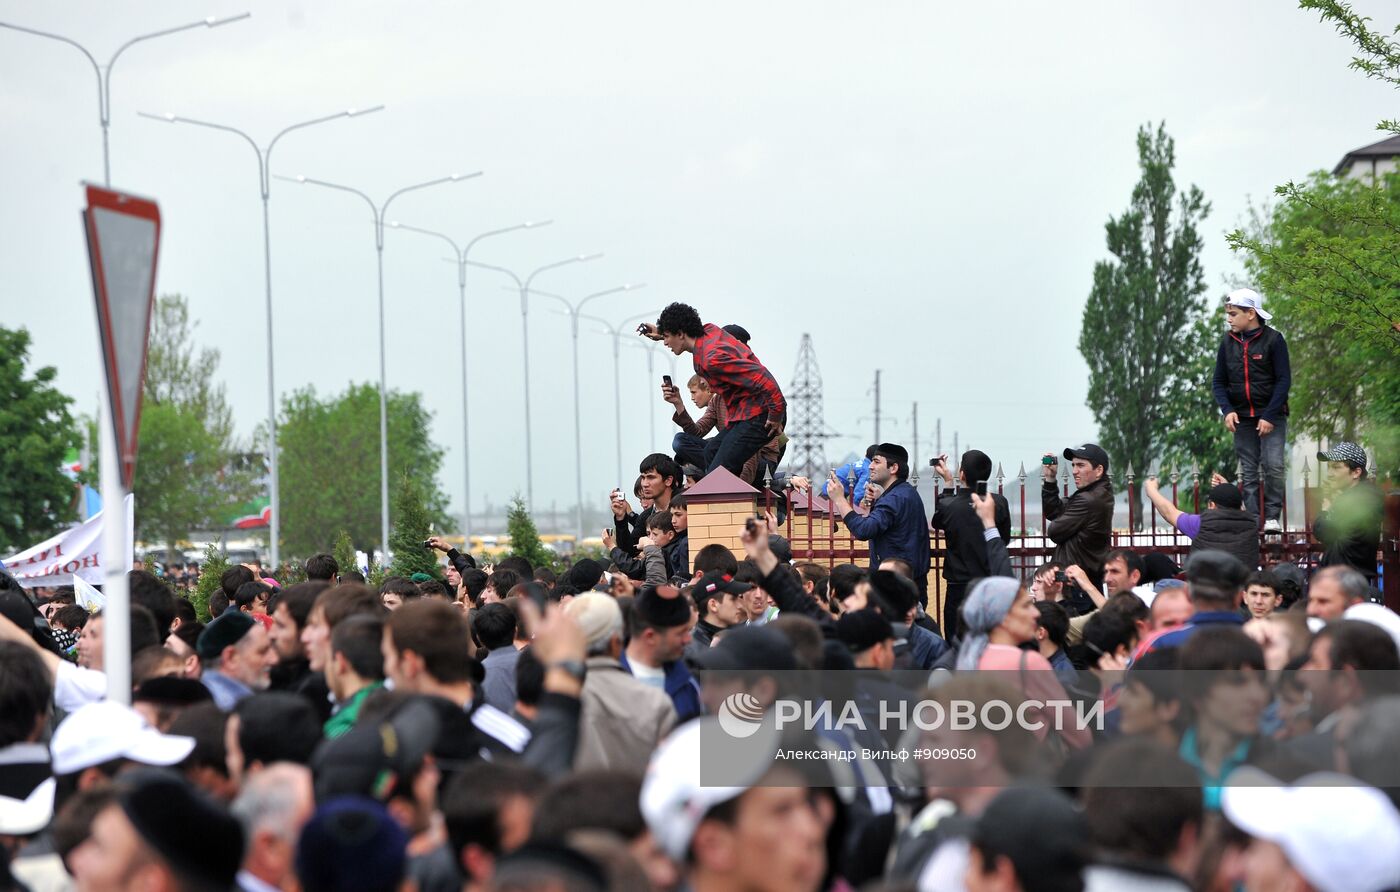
(816, 535)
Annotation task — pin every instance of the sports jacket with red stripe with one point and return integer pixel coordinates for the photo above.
(1252, 375)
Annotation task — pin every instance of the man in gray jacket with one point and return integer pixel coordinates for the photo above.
(622, 718)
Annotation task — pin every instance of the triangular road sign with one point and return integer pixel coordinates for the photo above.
(123, 235)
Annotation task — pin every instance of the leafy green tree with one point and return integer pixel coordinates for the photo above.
(211, 569)
(36, 430)
(344, 552)
(330, 464)
(411, 527)
(190, 467)
(524, 537)
(1325, 256)
(1143, 310)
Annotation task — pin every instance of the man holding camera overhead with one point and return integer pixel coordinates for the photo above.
(955, 515)
(1082, 526)
(896, 526)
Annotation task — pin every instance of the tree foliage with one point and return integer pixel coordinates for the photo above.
(330, 464)
(36, 430)
(411, 527)
(191, 467)
(524, 537)
(1141, 321)
(344, 552)
(1327, 256)
(1196, 436)
(211, 571)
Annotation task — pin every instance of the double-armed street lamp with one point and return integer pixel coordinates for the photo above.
(461, 259)
(264, 156)
(380, 211)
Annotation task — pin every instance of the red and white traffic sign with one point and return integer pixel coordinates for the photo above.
(123, 238)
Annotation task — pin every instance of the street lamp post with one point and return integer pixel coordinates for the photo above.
(104, 72)
(574, 310)
(264, 155)
(379, 211)
(617, 332)
(524, 286)
(461, 259)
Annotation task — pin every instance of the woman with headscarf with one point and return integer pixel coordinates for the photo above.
(999, 617)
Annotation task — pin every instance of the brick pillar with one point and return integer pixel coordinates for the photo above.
(717, 508)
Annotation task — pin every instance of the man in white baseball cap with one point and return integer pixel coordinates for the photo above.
(732, 837)
(1328, 832)
(94, 742)
(1252, 378)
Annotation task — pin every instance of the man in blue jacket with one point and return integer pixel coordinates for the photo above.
(659, 623)
(1252, 377)
(897, 526)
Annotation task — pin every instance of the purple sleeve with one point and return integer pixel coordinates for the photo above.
(1189, 525)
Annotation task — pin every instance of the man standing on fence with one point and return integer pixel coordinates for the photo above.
(954, 514)
(1251, 383)
(1081, 527)
(897, 526)
(1223, 526)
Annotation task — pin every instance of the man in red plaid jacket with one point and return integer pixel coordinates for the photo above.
(754, 406)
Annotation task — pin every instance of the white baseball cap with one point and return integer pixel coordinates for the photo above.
(106, 730)
(674, 800)
(1250, 300)
(1340, 834)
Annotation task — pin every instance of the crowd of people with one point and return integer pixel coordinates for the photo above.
(510, 727)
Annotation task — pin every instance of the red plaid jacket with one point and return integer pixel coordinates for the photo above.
(736, 376)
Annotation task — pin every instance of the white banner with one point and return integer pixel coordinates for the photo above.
(75, 552)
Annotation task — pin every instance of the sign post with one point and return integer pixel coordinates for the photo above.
(123, 236)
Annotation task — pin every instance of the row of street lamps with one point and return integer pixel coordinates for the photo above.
(380, 215)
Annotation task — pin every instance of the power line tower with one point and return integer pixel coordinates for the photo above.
(807, 433)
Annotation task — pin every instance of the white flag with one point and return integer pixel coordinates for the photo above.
(88, 598)
(75, 553)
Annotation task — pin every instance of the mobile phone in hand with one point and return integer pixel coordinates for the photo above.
(982, 488)
(666, 379)
(1047, 460)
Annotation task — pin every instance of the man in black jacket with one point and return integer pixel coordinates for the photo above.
(955, 515)
(1252, 377)
(1223, 526)
(661, 477)
(1081, 527)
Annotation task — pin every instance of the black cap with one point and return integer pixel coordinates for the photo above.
(749, 647)
(738, 333)
(169, 690)
(1217, 569)
(194, 834)
(781, 548)
(1040, 830)
(893, 452)
(715, 585)
(223, 632)
(662, 606)
(351, 843)
(1226, 495)
(861, 630)
(584, 574)
(1091, 452)
(376, 760)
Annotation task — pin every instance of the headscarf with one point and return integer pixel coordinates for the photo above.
(986, 606)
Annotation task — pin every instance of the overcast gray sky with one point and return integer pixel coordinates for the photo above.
(921, 186)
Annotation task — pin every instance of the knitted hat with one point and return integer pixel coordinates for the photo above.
(351, 843)
(227, 630)
(598, 616)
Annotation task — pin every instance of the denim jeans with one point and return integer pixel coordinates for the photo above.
(1253, 450)
(735, 445)
(689, 449)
